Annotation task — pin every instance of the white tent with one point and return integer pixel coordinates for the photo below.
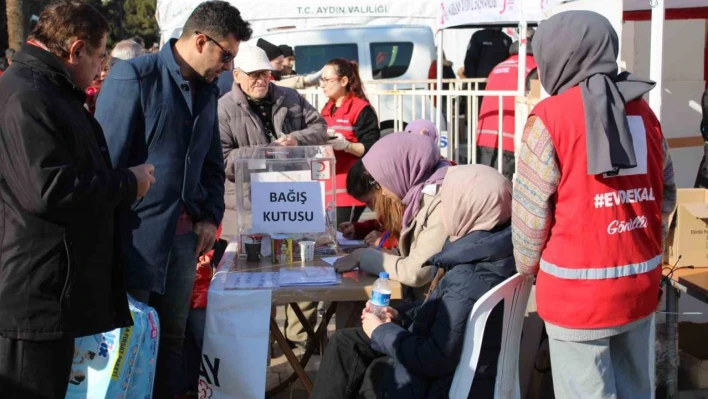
(455, 14)
(459, 13)
(269, 15)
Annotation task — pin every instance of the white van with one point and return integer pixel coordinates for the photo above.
(385, 54)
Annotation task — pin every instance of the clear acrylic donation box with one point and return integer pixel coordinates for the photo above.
(286, 191)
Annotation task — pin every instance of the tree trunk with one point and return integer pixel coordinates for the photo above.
(15, 23)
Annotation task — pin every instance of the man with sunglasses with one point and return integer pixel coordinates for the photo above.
(161, 108)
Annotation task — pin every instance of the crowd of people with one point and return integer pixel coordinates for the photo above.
(123, 191)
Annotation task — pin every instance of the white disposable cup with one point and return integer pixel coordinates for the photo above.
(307, 251)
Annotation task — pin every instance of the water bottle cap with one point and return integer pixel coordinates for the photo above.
(383, 275)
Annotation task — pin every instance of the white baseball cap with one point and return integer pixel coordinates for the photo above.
(251, 58)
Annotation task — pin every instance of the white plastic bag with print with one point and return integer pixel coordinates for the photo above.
(235, 353)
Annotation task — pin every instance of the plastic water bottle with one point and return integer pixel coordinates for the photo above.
(381, 296)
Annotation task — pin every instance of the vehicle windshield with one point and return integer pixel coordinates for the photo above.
(310, 59)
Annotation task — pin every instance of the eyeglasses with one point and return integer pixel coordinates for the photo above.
(255, 75)
(227, 56)
(324, 81)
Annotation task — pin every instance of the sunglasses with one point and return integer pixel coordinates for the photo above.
(226, 56)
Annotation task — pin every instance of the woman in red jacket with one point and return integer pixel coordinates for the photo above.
(353, 128)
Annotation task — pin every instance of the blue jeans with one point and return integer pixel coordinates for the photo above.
(173, 309)
(193, 348)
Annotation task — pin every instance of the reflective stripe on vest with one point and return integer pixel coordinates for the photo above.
(494, 132)
(601, 273)
(503, 77)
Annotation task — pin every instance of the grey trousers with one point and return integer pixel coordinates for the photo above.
(621, 366)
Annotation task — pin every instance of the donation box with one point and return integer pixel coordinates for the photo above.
(286, 191)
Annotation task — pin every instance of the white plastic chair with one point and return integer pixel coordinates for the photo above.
(515, 292)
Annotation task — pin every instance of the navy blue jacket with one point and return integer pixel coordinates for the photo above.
(425, 349)
(148, 116)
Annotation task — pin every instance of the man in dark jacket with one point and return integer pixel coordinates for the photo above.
(58, 196)
(162, 108)
(289, 61)
(486, 49)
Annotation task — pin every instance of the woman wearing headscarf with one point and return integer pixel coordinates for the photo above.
(414, 353)
(371, 231)
(423, 127)
(402, 174)
(594, 187)
(426, 128)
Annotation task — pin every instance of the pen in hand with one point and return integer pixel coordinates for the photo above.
(383, 239)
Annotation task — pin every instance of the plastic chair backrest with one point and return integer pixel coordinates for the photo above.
(515, 292)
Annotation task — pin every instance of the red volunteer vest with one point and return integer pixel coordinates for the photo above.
(342, 121)
(503, 77)
(602, 263)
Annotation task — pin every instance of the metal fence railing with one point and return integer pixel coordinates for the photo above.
(399, 102)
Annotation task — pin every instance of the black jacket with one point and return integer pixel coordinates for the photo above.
(425, 349)
(59, 276)
(486, 49)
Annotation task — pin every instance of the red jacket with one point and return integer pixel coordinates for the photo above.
(504, 77)
(202, 280)
(602, 262)
(343, 121)
(362, 229)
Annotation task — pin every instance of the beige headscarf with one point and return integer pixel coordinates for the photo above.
(474, 197)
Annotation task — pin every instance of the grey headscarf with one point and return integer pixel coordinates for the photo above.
(580, 48)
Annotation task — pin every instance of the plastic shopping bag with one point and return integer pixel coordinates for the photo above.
(117, 364)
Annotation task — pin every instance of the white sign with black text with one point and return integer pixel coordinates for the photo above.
(294, 207)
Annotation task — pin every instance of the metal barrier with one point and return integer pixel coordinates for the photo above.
(399, 102)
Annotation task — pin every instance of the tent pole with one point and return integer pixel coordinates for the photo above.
(656, 57)
(521, 85)
(438, 86)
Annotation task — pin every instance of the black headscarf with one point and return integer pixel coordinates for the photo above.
(581, 48)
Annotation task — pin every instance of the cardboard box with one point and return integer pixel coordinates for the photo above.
(535, 88)
(693, 355)
(688, 234)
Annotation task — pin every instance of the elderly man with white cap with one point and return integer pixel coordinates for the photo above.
(256, 112)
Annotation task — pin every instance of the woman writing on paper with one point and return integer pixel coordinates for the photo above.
(414, 353)
(353, 128)
(402, 173)
(371, 231)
